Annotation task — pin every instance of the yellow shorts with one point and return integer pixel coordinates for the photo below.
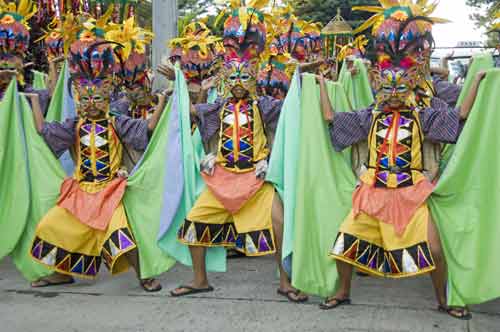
(68, 246)
(249, 230)
(374, 247)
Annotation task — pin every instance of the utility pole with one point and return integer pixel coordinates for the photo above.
(164, 28)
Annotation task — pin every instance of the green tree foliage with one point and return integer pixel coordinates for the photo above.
(324, 10)
(484, 16)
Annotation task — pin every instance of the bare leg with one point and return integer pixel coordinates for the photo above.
(278, 221)
(344, 291)
(53, 280)
(150, 284)
(439, 275)
(200, 271)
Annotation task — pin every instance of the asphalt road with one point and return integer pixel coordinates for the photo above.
(245, 299)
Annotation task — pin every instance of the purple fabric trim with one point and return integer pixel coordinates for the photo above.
(59, 136)
(446, 91)
(440, 123)
(174, 174)
(348, 128)
(43, 97)
(208, 115)
(208, 118)
(132, 132)
(120, 106)
(270, 110)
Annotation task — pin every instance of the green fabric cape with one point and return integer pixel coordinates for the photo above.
(45, 178)
(14, 190)
(480, 62)
(40, 188)
(36, 188)
(39, 80)
(358, 89)
(143, 199)
(464, 207)
(191, 152)
(465, 202)
(56, 106)
(282, 171)
(285, 166)
(316, 198)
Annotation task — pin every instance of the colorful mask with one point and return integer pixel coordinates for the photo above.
(92, 66)
(131, 42)
(198, 51)
(245, 28)
(403, 43)
(14, 34)
(240, 72)
(274, 77)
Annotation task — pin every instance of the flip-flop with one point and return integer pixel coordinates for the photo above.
(191, 291)
(326, 306)
(232, 254)
(149, 290)
(48, 283)
(462, 310)
(291, 299)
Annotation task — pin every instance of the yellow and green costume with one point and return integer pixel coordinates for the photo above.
(70, 245)
(235, 210)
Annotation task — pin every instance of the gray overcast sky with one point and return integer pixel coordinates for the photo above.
(461, 28)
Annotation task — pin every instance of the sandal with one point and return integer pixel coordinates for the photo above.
(191, 290)
(461, 313)
(339, 302)
(288, 294)
(147, 285)
(44, 282)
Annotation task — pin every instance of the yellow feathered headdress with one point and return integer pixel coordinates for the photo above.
(131, 37)
(399, 10)
(10, 12)
(14, 19)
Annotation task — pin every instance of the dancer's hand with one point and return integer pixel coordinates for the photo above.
(261, 169)
(33, 97)
(207, 165)
(167, 71)
(320, 79)
(8, 73)
(122, 173)
(57, 60)
(208, 83)
(480, 76)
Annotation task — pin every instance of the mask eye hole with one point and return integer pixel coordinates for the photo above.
(245, 77)
(233, 77)
(85, 99)
(402, 88)
(98, 99)
(387, 88)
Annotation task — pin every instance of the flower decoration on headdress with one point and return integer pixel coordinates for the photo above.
(14, 29)
(286, 34)
(356, 48)
(131, 41)
(91, 56)
(198, 51)
(312, 39)
(495, 26)
(54, 39)
(274, 76)
(245, 27)
(402, 31)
